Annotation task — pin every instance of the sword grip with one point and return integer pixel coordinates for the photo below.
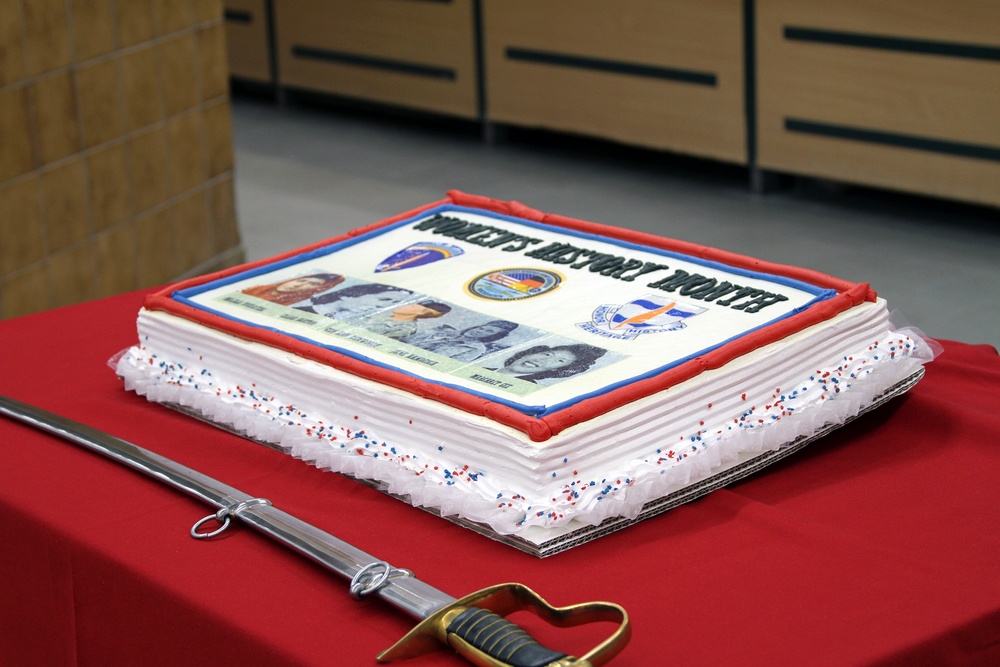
(476, 627)
(479, 630)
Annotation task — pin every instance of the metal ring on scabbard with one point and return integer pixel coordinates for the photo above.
(223, 517)
(366, 582)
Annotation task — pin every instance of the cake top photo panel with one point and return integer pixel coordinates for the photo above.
(517, 311)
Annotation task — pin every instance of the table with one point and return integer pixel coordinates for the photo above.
(877, 545)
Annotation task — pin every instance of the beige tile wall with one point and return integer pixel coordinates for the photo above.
(116, 158)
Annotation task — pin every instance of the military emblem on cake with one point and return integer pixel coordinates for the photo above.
(418, 254)
(652, 313)
(513, 284)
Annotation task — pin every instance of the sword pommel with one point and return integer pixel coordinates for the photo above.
(476, 628)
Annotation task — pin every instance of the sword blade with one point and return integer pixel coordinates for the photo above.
(403, 592)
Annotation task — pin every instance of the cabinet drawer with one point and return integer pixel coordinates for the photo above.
(902, 94)
(247, 40)
(412, 53)
(659, 74)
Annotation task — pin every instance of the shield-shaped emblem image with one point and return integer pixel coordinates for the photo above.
(652, 311)
(418, 254)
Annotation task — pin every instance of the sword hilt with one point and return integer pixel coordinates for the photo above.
(476, 628)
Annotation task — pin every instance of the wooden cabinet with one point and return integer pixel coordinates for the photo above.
(901, 94)
(411, 53)
(660, 74)
(248, 40)
(898, 94)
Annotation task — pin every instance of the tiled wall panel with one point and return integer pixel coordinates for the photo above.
(116, 159)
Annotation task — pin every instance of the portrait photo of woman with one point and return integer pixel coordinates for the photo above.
(401, 321)
(294, 290)
(357, 301)
(545, 362)
(466, 344)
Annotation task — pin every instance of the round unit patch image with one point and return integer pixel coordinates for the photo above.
(513, 284)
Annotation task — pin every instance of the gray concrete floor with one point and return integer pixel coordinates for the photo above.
(305, 173)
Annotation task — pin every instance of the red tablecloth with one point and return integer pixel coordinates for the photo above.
(879, 544)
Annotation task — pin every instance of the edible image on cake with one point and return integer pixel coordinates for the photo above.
(418, 254)
(550, 363)
(395, 323)
(649, 314)
(453, 294)
(294, 290)
(357, 300)
(402, 314)
(480, 338)
(513, 284)
(401, 321)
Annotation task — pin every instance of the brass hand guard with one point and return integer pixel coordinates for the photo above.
(474, 626)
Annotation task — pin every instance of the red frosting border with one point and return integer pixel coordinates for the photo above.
(538, 429)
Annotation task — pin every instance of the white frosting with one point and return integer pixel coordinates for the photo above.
(470, 466)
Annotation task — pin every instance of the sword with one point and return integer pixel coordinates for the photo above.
(474, 625)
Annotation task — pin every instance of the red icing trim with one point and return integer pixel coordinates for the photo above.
(538, 429)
